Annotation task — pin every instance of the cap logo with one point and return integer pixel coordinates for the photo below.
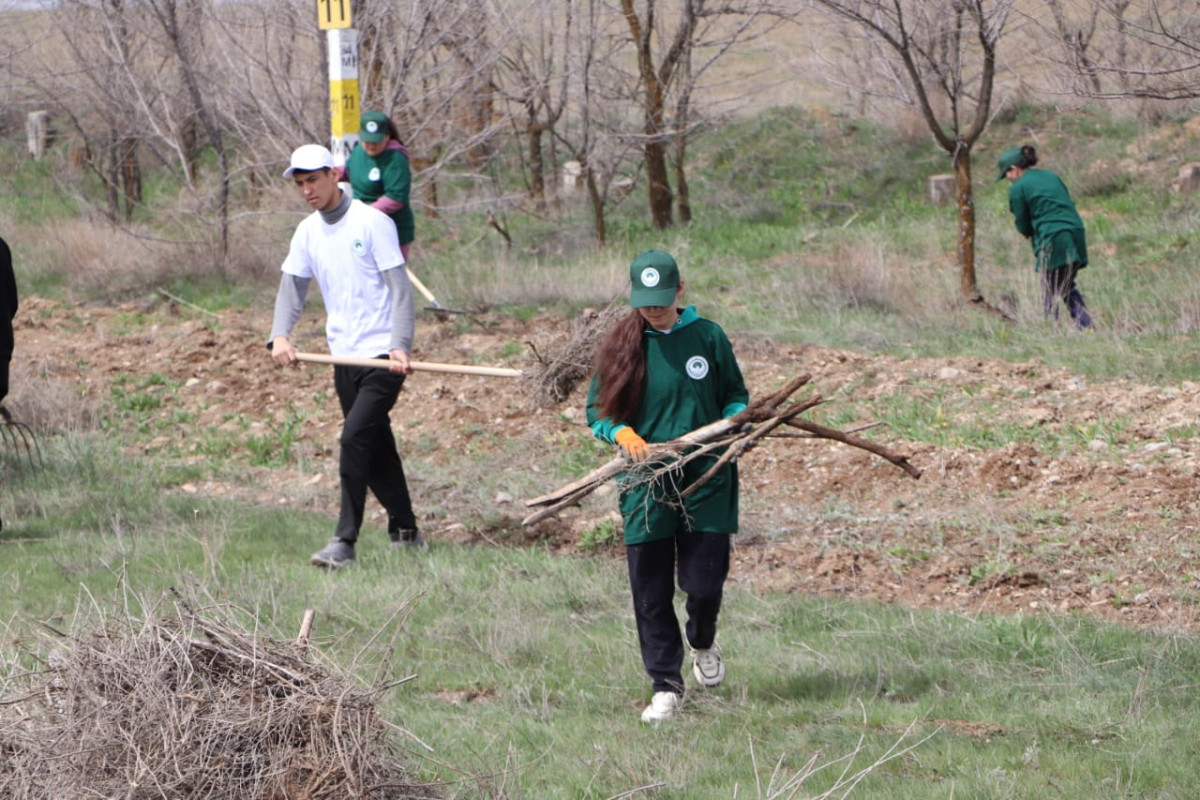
(649, 277)
(372, 127)
(697, 367)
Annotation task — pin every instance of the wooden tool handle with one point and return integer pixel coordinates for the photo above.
(415, 281)
(419, 366)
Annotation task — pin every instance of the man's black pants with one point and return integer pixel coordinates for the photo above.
(369, 459)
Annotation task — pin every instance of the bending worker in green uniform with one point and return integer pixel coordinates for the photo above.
(1044, 213)
(663, 371)
(380, 175)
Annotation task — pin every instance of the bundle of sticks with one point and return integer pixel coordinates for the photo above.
(727, 437)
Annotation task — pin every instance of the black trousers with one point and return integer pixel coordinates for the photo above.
(702, 562)
(1058, 286)
(8, 309)
(368, 458)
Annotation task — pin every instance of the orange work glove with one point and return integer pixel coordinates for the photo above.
(634, 446)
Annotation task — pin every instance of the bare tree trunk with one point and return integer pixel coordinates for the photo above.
(131, 175)
(653, 114)
(683, 121)
(682, 197)
(432, 203)
(370, 46)
(189, 146)
(966, 223)
(537, 166)
(599, 225)
(112, 177)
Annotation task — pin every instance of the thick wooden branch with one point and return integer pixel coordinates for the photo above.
(822, 432)
(764, 417)
(758, 411)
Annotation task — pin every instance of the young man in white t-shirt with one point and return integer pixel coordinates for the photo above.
(353, 252)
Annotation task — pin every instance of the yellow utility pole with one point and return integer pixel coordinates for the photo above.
(333, 17)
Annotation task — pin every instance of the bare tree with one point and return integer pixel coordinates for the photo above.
(432, 68)
(1147, 51)
(593, 128)
(139, 78)
(180, 30)
(940, 57)
(535, 78)
(669, 72)
(95, 61)
(1076, 35)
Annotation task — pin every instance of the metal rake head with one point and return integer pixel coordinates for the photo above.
(21, 438)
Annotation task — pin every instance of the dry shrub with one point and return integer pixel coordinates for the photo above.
(101, 261)
(562, 365)
(862, 279)
(189, 706)
(46, 404)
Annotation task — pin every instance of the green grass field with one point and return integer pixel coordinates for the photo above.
(527, 683)
(527, 678)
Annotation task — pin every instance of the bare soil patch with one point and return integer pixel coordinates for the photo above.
(1107, 528)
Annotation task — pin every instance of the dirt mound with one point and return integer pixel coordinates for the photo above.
(1104, 524)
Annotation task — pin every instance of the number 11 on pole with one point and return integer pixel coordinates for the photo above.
(333, 14)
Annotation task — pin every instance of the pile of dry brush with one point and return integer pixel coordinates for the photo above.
(564, 364)
(185, 706)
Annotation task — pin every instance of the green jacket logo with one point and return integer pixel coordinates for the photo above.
(697, 367)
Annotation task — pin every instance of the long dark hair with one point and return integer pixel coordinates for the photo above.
(621, 369)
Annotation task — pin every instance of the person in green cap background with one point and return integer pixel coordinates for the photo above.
(379, 174)
(661, 372)
(1044, 213)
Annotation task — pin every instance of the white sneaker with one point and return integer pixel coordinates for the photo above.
(708, 666)
(662, 707)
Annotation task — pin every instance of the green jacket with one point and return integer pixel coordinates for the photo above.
(692, 379)
(1043, 211)
(386, 175)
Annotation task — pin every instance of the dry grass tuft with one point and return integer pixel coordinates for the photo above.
(47, 404)
(188, 706)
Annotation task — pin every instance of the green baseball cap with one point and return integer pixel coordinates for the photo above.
(373, 127)
(655, 278)
(1008, 158)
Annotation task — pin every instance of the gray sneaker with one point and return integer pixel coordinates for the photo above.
(408, 537)
(338, 553)
(708, 666)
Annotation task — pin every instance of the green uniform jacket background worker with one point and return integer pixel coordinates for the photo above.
(1042, 210)
(386, 175)
(692, 379)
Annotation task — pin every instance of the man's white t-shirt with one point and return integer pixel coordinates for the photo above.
(348, 259)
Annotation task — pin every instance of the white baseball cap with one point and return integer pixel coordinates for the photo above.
(309, 158)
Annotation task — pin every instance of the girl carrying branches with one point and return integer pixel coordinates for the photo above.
(661, 372)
